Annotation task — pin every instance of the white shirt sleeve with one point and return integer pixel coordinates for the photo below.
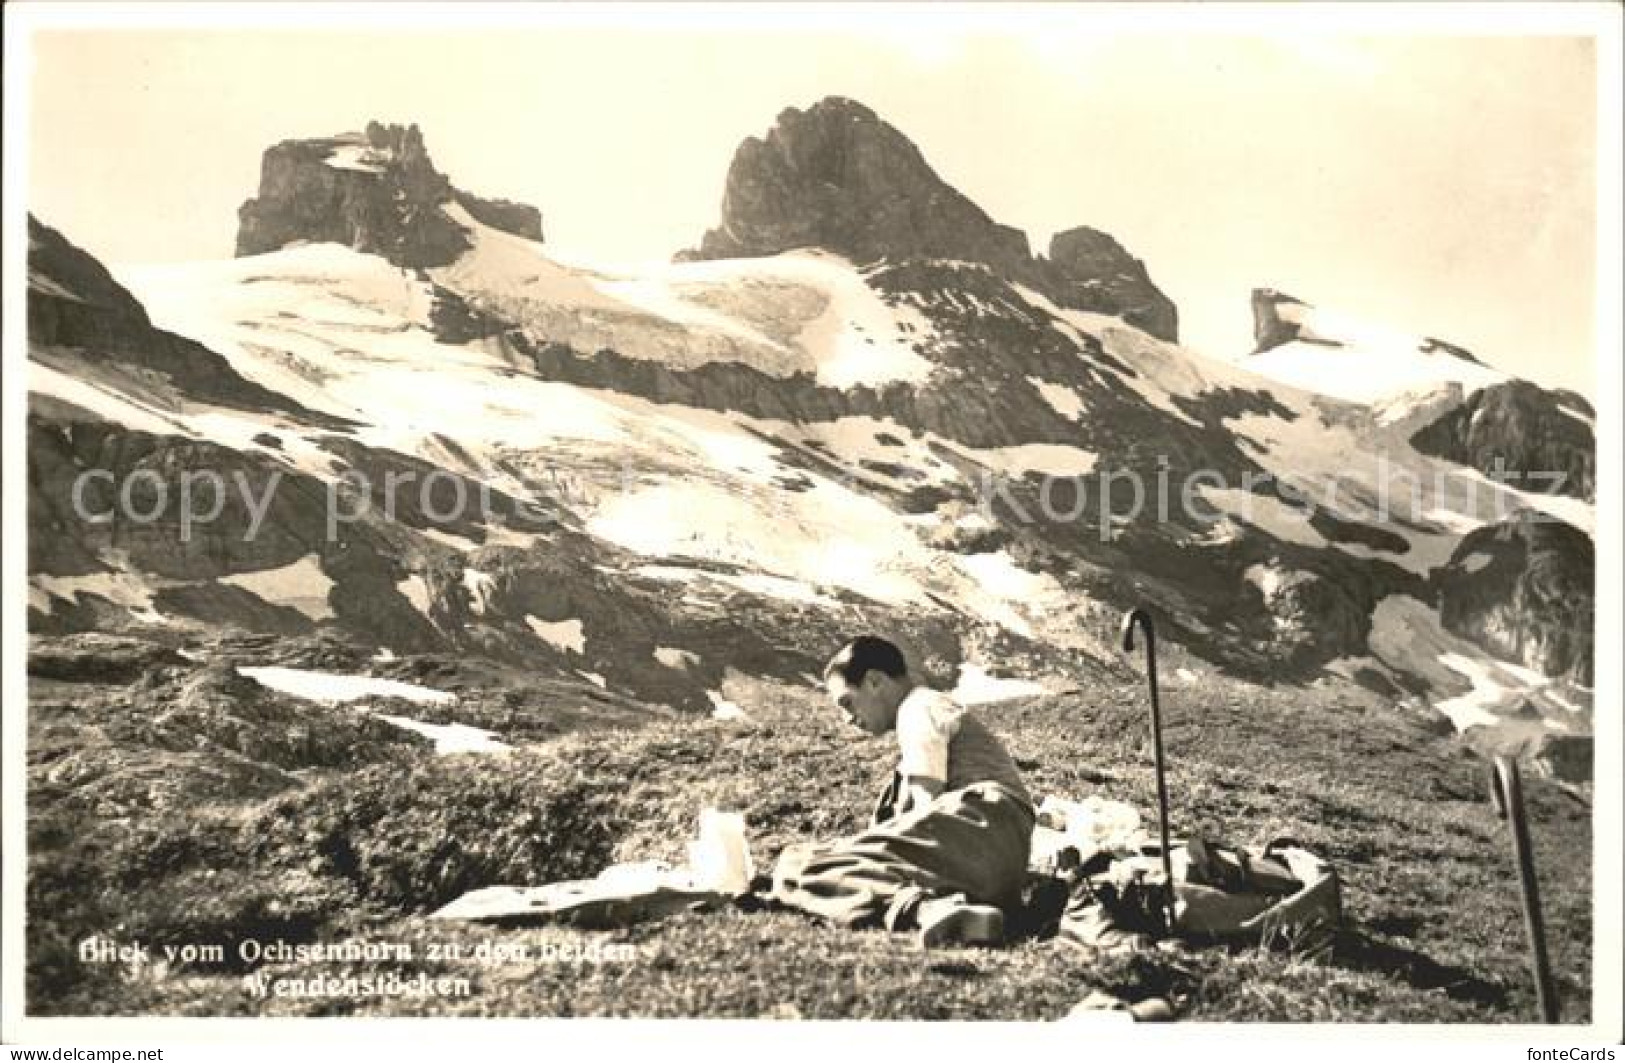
(926, 724)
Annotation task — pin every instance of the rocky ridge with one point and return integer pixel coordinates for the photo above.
(837, 176)
(82, 319)
(376, 191)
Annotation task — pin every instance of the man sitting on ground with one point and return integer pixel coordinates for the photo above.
(948, 850)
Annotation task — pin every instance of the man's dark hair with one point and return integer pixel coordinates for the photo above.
(866, 652)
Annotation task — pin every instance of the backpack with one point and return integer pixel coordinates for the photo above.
(1278, 895)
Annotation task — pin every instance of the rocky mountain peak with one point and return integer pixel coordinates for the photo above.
(1100, 275)
(836, 176)
(377, 191)
(400, 144)
(1277, 318)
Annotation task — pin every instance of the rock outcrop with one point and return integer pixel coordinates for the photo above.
(1276, 319)
(520, 219)
(836, 176)
(1430, 345)
(1310, 614)
(98, 657)
(1102, 276)
(73, 301)
(1534, 439)
(1524, 589)
(377, 192)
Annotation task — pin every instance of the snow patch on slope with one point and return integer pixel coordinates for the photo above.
(723, 709)
(1047, 459)
(1162, 371)
(679, 660)
(451, 738)
(1062, 399)
(977, 686)
(480, 586)
(1285, 522)
(1367, 473)
(566, 636)
(301, 585)
(354, 152)
(333, 688)
(130, 590)
(1472, 709)
(823, 537)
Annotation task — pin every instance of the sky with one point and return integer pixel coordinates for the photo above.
(1441, 185)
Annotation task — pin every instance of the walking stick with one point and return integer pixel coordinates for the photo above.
(1506, 788)
(1143, 619)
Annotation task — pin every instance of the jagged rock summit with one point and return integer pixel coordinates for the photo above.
(838, 177)
(1278, 319)
(1098, 274)
(376, 192)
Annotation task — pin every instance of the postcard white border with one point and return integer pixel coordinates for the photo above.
(756, 1039)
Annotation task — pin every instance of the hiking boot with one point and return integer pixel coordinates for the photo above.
(958, 925)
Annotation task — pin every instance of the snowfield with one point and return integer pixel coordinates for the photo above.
(776, 509)
(133, 591)
(1356, 361)
(566, 636)
(799, 312)
(1062, 399)
(1368, 473)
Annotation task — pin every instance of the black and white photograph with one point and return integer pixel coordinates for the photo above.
(1073, 515)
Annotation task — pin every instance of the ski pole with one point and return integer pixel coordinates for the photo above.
(1143, 619)
(1507, 789)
